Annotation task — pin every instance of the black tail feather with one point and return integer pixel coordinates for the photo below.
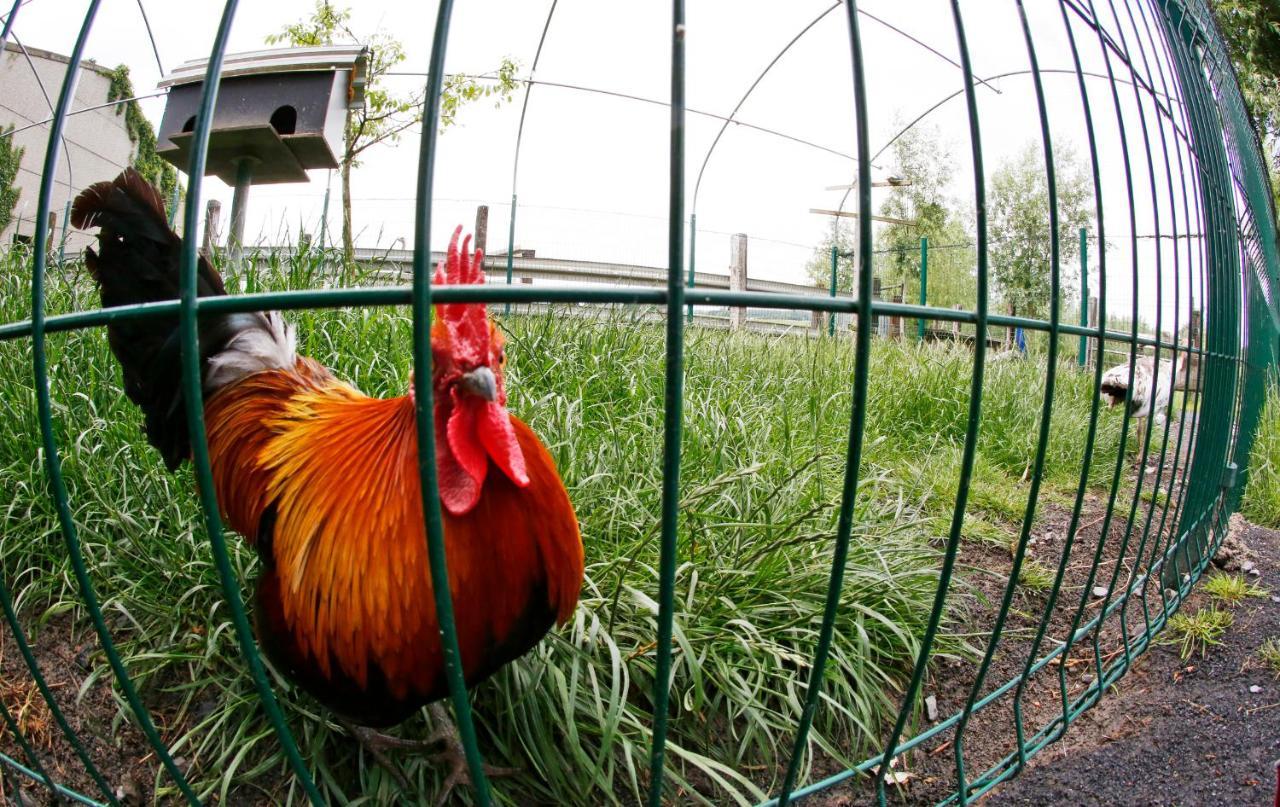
(137, 261)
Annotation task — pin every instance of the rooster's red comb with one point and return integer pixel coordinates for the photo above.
(467, 324)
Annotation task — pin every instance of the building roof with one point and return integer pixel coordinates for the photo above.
(48, 55)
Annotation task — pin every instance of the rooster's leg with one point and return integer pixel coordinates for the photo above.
(377, 744)
(442, 747)
(452, 754)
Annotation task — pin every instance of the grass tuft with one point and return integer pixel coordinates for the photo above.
(1231, 589)
(1269, 654)
(1035, 576)
(1199, 631)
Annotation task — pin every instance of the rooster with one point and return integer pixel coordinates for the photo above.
(323, 482)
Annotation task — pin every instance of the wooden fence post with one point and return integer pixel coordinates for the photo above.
(482, 227)
(737, 277)
(212, 212)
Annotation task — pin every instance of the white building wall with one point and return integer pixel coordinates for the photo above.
(96, 147)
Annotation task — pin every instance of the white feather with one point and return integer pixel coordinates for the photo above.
(262, 341)
(1140, 394)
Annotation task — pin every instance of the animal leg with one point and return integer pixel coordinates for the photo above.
(453, 756)
(377, 744)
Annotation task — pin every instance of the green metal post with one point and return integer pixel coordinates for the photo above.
(324, 213)
(693, 251)
(831, 317)
(511, 246)
(1084, 295)
(62, 242)
(924, 283)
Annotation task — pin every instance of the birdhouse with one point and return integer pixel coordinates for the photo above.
(285, 109)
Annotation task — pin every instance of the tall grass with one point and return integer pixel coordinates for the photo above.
(766, 419)
(1261, 501)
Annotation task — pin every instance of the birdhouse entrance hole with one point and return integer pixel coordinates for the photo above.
(285, 120)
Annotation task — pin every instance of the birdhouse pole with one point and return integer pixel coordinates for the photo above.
(239, 203)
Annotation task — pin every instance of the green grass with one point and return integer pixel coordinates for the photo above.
(766, 420)
(1196, 633)
(1269, 655)
(1231, 589)
(1261, 501)
(1035, 576)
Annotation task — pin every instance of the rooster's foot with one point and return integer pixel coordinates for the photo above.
(376, 744)
(452, 755)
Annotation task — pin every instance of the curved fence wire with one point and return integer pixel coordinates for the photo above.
(1193, 172)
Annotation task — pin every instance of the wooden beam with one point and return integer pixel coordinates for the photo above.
(851, 215)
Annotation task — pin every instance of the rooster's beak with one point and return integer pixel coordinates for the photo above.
(481, 383)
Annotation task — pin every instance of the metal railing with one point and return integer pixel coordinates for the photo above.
(1215, 184)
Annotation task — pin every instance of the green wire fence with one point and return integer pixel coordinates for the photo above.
(1190, 157)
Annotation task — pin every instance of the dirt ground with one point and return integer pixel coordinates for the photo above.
(1177, 733)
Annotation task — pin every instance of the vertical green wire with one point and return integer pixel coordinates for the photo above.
(1175, 50)
(515, 160)
(1145, 437)
(1046, 411)
(1202, 493)
(193, 400)
(511, 246)
(857, 414)
(924, 283)
(1117, 471)
(831, 318)
(8, 23)
(693, 252)
(975, 414)
(424, 411)
(1141, 552)
(1201, 480)
(673, 411)
(44, 412)
(1092, 430)
(1084, 297)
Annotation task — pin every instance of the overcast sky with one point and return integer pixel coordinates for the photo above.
(593, 171)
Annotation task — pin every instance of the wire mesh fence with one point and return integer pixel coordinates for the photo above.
(1171, 153)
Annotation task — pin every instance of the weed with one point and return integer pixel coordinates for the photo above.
(1199, 631)
(1231, 589)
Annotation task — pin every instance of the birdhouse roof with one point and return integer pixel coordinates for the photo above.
(282, 60)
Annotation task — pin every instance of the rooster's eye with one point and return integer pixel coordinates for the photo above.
(502, 358)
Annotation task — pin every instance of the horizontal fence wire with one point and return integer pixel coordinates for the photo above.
(1190, 159)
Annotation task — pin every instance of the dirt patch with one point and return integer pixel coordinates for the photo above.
(990, 737)
(118, 750)
(1177, 732)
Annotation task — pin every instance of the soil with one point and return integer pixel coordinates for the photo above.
(1169, 732)
(119, 751)
(1177, 733)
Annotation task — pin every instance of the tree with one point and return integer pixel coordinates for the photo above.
(927, 163)
(1018, 205)
(10, 159)
(818, 269)
(143, 136)
(1251, 29)
(386, 114)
